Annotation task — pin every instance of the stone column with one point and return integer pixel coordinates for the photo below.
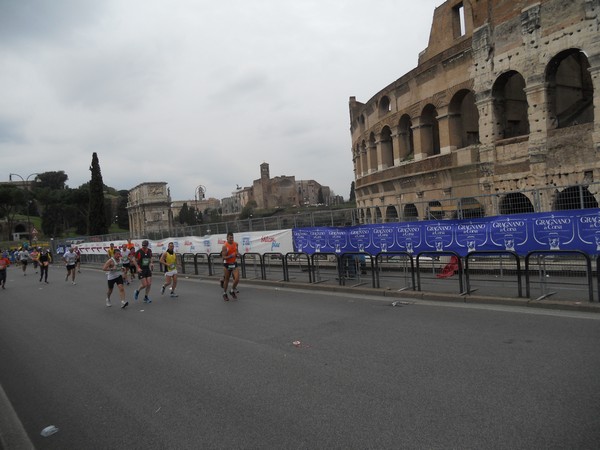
(445, 125)
(594, 61)
(372, 157)
(488, 128)
(422, 139)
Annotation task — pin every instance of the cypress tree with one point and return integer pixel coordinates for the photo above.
(97, 216)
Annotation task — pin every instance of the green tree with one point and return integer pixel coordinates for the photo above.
(183, 214)
(52, 180)
(352, 194)
(97, 217)
(248, 210)
(188, 216)
(58, 208)
(320, 198)
(123, 215)
(12, 199)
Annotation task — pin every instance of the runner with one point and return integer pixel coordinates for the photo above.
(132, 262)
(4, 263)
(70, 259)
(44, 259)
(114, 274)
(78, 263)
(34, 258)
(169, 260)
(230, 253)
(144, 267)
(126, 263)
(24, 258)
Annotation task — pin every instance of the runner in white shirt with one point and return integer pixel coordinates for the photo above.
(70, 258)
(114, 275)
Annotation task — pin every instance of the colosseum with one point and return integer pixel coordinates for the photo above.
(500, 116)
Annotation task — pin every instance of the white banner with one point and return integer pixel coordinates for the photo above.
(279, 241)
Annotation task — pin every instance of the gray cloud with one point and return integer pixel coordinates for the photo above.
(195, 91)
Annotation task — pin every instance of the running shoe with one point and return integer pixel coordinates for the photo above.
(225, 298)
(108, 303)
(147, 300)
(136, 294)
(162, 290)
(173, 294)
(232, 293)
(124, 304)
(74, 283)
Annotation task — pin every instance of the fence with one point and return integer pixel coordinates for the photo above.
(562, 275)
(487, 205)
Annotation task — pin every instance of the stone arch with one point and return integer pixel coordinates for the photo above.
(387, 148)
(464, 119)
(378, 216)
(385, 105)
(469, 208)
(410, 213)
(361, 122)
(515, 203)
(434, 211)
(391, 214)
(510, 105)
(570, 89)
(406, 139)
(575, 197)
(430, 131)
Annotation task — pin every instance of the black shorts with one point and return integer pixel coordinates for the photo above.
(70, 266)
(145, 272)
(117, 281)
(230, 267)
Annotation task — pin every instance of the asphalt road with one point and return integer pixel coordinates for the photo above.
(197, 372)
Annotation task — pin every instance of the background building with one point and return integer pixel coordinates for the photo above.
(149, 209)
(504, 100)
(278, 192)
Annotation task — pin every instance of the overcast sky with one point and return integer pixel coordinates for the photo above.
(196, 92)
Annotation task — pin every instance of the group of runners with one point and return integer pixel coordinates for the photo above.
(125, 263)
(39, 257)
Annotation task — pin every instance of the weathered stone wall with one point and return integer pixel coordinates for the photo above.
(507, 59)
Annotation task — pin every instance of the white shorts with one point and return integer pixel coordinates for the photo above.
(170, 273)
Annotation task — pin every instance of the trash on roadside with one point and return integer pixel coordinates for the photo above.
(49, 431)
(296, 343)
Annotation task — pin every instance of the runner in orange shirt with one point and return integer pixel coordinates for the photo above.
(230, 253)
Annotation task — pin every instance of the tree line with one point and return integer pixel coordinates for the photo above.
(89, 209)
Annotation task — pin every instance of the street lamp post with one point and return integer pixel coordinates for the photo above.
(26, 181)
(199, 194)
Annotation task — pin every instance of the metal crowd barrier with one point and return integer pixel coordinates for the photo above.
(561, 274)
(440, 269)
(402, 267)
(557, 269)
(490, 270)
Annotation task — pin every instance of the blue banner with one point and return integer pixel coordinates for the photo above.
(520, 233)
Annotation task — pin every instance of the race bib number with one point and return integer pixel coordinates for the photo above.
(231, 266)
